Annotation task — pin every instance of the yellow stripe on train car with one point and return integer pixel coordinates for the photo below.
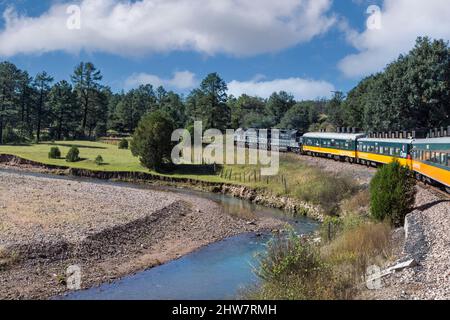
(433, 172)
(337, 152)
(383, 158)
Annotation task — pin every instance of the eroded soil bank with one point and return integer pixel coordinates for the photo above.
(292, 205)
(107, 230)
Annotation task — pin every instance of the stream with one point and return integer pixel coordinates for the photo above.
(222, 270)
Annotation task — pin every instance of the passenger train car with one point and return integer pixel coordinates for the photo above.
(428, 158)
(383, 150)
(340, 146)
(431, 160)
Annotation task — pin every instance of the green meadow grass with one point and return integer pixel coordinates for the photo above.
(295, 179)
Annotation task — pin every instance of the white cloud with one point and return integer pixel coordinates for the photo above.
(402, 21)
(237, 27)
(181, 80)
(301, 89)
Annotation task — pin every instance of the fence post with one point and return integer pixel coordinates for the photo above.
(329, 231)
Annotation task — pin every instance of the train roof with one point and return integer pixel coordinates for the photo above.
(442, 140)
(331, 135)
(386, 140)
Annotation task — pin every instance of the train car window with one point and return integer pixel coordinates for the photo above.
(433, 157)
(381, 150)
(448, 160)
(443, 159)
(377, 149)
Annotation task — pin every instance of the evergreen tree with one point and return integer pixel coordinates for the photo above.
(86, 79)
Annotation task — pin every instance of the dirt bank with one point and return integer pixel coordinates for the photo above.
(426, 239)
(245, 193)
(108, 231)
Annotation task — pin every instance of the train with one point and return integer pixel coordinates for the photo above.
(428, 158)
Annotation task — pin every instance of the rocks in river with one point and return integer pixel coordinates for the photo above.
(104, 228)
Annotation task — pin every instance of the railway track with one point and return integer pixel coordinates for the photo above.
(437, 190)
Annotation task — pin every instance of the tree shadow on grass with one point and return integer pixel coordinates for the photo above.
(24, 144)
(191, 169)
(79, 146)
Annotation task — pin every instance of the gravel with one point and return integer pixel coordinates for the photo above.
(428, 242)
(361, 174)
(108, 230)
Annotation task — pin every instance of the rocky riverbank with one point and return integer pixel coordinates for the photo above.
(292, 205)
(425, 243)
(108, 231)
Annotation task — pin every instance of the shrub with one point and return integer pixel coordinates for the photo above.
(10, 136)
(54, 153)
(73, 155)
(99, 160)
(359, 246)
(292, 268)
(123, 144)
(358, 204)
(392, 193)
(152, 140)
(325, 189)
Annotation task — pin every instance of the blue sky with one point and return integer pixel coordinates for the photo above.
(334, 56)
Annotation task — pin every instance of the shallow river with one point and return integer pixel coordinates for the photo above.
(219, 271)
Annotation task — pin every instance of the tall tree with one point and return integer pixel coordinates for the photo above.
(26, 93)
(278, 104)
(334, 109)
(301, 116)
(9, 80)
(42, 83)
(86, 79)
(245, 105)
(211, 103)
(64, 110)
(428, 79)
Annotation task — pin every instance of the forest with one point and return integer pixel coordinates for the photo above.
(411, 93)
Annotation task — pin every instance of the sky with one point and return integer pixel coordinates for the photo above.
(309, 48)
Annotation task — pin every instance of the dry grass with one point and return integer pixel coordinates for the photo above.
(7, 258)
(359, 247)
(357, 204)
(293, 269)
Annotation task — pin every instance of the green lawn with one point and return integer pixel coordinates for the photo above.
(114, 158)
(295, 178)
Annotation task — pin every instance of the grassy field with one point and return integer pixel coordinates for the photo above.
(295, 179)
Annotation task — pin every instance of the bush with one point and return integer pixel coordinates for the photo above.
(392, 193)
(123, 144)
(73, 155)
(358, 247)
(325, 189)
(54, 153)
(152, 140)
(99, 160)
(10, 136)
(292, 268)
